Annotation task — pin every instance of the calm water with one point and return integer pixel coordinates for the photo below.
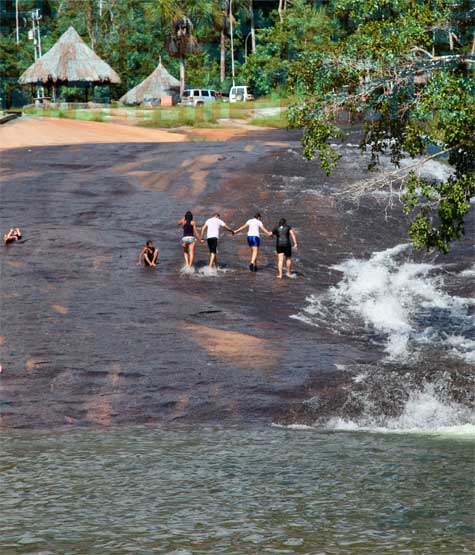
(266, 490)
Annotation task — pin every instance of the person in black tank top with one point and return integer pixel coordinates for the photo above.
(190, 235)
(149, 254)
(283, 234)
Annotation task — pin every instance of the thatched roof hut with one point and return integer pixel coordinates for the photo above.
(157, 84)
(70, 60)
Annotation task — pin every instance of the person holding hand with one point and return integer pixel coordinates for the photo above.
(254, 226)
(283, 233)
(190, 235)
(211, 228)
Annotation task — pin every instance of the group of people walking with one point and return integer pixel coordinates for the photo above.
(283, 233)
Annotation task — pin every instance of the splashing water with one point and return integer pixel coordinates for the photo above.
(425, 411)
(187, 271)
(207, 272)
(469, 272)
(399, 302)
(387, 398)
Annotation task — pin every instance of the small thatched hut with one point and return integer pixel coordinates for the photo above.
(157, 84)
(69, 62)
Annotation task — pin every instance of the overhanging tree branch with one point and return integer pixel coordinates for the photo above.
(388, 179)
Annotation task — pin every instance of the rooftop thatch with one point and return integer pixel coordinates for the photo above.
(69, 60)
(157, 84)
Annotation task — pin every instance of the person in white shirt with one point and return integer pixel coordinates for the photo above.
(211, 228)
(254, 226)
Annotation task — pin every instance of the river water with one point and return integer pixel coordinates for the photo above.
(233, 491)
(166, 412)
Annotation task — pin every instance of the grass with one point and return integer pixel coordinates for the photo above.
(279, 121)
(179, 116)
(169, 117)
(84, 115)
(208, 115)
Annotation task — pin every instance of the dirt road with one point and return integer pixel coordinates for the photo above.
(32, 131)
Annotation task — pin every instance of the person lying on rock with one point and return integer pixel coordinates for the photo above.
(13, 235)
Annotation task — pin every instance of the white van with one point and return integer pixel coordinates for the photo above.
(240, 93)
(195, 97)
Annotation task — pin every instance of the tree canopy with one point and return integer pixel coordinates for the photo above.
(407, 68)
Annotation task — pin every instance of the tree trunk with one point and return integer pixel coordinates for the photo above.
(90, 24)
(281, 11)
(473, 44)
(182, 76)
(231, 33)
(253, 28)
(17, 23)
(222, 59)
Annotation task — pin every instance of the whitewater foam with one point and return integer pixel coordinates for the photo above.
(207, 272)
(187, 271)
(469, 272)
(424, 412)
(392, 299)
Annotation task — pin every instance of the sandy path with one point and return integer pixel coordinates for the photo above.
(29, 132)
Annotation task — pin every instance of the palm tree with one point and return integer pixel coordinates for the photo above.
(223, 23)
(231, 23)
(281, 9)
(181, 44)
(226, 20)
(253, 27)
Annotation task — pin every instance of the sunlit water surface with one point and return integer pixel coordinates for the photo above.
(266, 490)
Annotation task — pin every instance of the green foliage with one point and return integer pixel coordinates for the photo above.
(279, 121)
(451, 200)
(179, 116)
(305, 29)
(415, 91)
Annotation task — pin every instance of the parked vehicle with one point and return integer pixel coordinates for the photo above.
(240, 93)
(195, 97)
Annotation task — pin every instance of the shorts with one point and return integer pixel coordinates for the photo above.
(188, 240)
(213, 245)
(253, 240)
(286, 251)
